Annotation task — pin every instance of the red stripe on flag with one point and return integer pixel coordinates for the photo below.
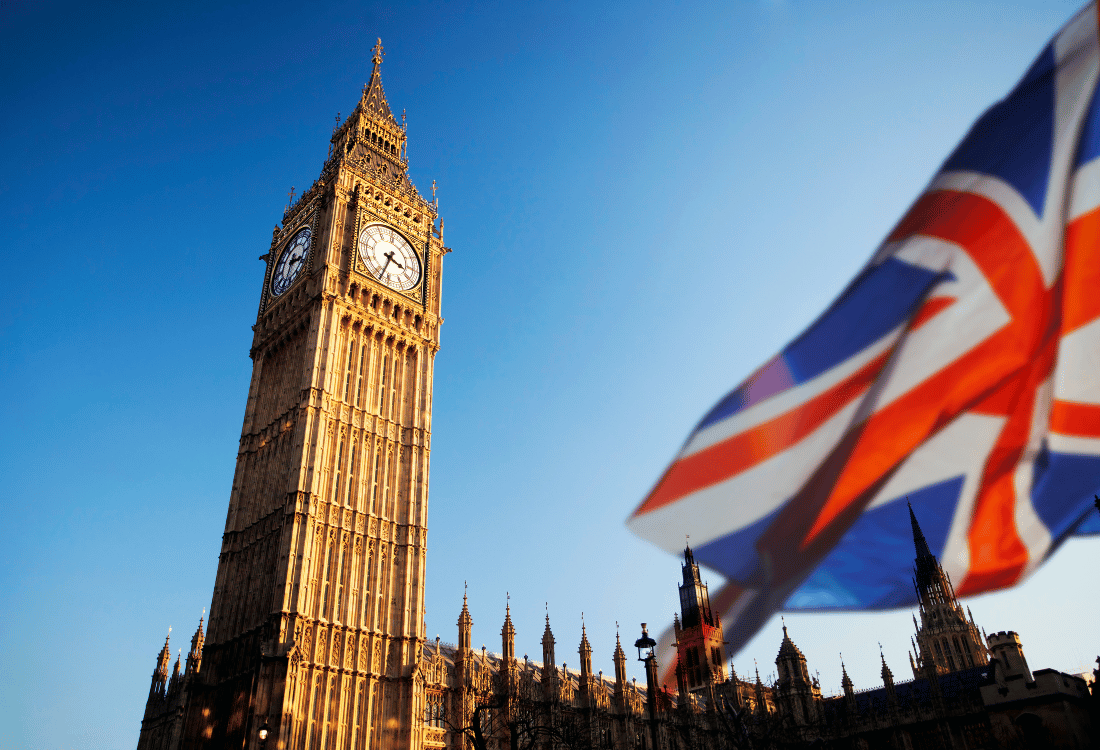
(744, 450)
(1081, 303)
(998, 248)
(929, 310)
(989, 237)
(1077, 419)
(997, 554)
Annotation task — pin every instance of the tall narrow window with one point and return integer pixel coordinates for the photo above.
(339, 585)
(351, 476)
(393, 390)
(339, 468)
(359, 380)
(365, 622)
(349, 368)
(328, 577)
(374, 485)
(382, 386)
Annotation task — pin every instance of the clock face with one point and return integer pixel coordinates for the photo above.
(389, 257)
(291, 261)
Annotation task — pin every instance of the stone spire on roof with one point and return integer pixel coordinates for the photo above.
(620, 662)
(465, 623)
(919, 541)
(845, 680)
(194, 656)
(547, 643)
(585, 651)
(508, 633)
(164, 657)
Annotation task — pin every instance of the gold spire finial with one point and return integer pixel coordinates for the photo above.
(377, 59)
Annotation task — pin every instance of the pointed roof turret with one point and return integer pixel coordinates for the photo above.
(787, 649)
(373, 101)
(694, 598)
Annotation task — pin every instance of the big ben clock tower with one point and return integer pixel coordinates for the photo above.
(316, 625)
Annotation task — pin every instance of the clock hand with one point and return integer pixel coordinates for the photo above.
(389, 259)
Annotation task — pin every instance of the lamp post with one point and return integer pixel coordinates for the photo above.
(263, 735)
(645, 646)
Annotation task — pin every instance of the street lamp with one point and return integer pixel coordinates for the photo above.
(263, 734)
(645, 646)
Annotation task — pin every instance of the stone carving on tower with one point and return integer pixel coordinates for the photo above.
(316, 626)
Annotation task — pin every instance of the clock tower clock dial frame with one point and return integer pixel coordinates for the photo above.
(318, 604)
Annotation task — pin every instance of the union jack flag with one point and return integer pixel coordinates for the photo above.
(960, 370)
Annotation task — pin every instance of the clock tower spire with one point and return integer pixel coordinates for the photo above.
(316, 624)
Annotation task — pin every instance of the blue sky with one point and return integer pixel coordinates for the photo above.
(646, 201)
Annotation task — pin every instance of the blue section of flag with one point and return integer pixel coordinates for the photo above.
(879, 300)
(1089, 147)
(735, 554)
(1089, 525)
(1062, 493)
(871, 567)
(1014, 139)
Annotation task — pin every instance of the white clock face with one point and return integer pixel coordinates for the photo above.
(389, 257)
(291, 261)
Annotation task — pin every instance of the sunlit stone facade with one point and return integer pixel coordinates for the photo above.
(316, 626)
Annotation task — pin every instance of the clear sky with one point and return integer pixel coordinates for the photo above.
(646, 201)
